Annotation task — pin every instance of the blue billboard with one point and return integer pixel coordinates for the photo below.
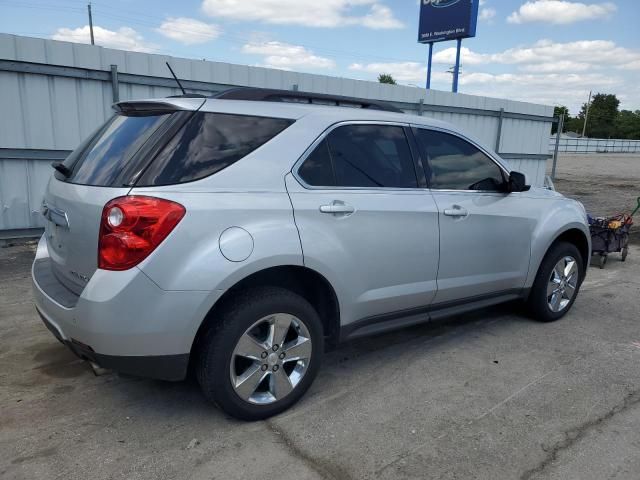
(447, 20)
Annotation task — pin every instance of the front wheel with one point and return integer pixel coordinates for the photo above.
(557, 283)
(262, 354)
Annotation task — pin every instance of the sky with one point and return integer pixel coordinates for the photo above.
(543, 51)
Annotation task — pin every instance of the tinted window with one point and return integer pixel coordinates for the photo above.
(455, 164)
(208, 143)
(100, 159)
(317, 169)
(371, 156)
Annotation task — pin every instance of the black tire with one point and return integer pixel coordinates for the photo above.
(625, 252)
(537, 303)
(217, 346)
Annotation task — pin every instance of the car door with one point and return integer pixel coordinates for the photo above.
(366, 222)
(485, 233)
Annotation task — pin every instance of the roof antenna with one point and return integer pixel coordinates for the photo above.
(177, 81)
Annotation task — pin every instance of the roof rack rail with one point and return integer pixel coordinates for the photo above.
(294, 96)
(188, 95)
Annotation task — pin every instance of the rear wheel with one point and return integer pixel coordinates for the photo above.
(557, 283)
(262, 355)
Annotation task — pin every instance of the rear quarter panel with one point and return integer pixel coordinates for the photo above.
(190, 258)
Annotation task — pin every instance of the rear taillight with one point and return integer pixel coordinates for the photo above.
(132, 227)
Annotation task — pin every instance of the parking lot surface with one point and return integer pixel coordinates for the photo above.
(489, 395)
(606, 184)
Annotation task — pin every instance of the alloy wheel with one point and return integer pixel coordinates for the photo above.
(562, 284)
(270, 359)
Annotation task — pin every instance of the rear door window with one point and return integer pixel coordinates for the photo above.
(367, 156)
(208, 143)
(317, 169)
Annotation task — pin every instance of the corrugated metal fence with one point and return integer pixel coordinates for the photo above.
(594, 145)
(53, 94)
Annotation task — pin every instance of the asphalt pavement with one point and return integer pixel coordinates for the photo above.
(488, 395)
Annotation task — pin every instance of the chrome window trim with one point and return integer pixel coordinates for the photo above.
(323, 136)
(475, 144)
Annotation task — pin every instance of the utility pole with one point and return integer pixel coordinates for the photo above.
(90, 24)
(557, 146)
(586, 115)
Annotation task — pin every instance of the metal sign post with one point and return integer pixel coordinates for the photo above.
(442, 20)
(429, 65)
(456, 70)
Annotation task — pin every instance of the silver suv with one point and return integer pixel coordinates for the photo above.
(241, 236)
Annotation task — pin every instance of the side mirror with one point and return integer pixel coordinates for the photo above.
(517, 182)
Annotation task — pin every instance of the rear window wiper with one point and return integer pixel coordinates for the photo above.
(62, 168)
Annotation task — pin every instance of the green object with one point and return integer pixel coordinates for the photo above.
(637, 208)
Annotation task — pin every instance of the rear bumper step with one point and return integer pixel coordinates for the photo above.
(159, 367)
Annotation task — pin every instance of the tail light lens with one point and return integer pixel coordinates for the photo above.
(132, 227)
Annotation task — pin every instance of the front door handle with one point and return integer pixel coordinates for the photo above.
(456, 211)
(337, 207)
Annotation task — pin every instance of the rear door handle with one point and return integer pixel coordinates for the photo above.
(456, 211)
(337, 207)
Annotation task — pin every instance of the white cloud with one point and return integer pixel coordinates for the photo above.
(311, 13)
(560, 11)
(401, 71)
(549, 89)
(546, 72)
(487, 14)
(124, 38)
(188, 30)
(582, 54)
(286, 56)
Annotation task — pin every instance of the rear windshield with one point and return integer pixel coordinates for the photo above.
(101, 159)
(167, 148)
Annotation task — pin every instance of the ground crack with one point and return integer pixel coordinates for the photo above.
(325, 469)
(571, 437)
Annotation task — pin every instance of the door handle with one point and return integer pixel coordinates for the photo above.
(337, 207)
(456, 211)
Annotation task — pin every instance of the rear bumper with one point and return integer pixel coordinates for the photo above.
(123, 321)
(160, 367)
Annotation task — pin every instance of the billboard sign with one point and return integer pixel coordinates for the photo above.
(442, 20)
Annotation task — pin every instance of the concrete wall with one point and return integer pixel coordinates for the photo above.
(53, 94)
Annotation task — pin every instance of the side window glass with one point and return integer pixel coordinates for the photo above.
(455, 164)
(208, 143)
(317, 169)
(372, 156)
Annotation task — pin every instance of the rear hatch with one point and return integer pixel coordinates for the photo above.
(103, 167)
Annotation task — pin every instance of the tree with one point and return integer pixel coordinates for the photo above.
(386, 78)
(602, 115)
(558, 111)
(627, 125)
